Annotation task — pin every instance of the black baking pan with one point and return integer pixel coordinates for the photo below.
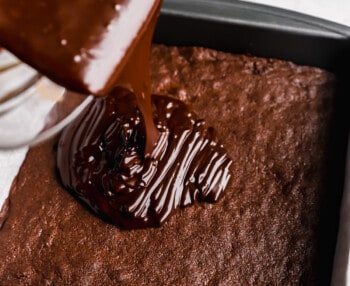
(240, 27)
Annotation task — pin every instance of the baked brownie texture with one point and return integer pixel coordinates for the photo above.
(271, 115)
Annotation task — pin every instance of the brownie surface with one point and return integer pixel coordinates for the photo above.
(273, 118)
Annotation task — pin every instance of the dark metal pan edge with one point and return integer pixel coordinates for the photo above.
(257, 15)
(242, 27)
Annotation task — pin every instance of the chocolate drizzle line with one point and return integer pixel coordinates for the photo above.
(101, 159)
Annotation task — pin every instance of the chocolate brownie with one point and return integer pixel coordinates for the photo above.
(272, 116)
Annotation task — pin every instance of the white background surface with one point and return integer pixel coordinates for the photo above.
(334, 10)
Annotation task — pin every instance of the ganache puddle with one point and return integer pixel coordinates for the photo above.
(101, 159)
(134, 159)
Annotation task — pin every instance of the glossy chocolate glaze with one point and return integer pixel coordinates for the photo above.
(101, 159)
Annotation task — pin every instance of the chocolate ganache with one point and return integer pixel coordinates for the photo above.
(101, 159)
